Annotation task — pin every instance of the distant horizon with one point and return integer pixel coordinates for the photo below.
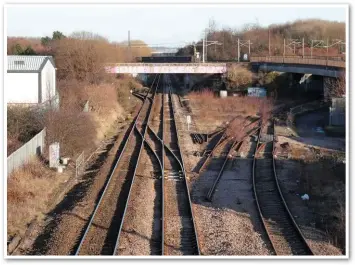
(114, 22)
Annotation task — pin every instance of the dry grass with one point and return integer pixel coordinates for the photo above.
(29, 192)
(207, 101)
(322, 176)
(77, 131)
(123, 85)
(236, 129)
(208, 107)
(327, 194)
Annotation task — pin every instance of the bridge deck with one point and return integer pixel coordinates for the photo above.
(166, 68)
(332, 62)
(329, 66)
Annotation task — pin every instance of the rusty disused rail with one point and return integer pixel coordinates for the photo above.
(284, 234)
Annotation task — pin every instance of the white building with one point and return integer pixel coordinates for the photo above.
(30, 79)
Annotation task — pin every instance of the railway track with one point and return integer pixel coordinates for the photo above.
(180, 237)
(231, 146)
(102, 233)
(282, 230)
(153, 137)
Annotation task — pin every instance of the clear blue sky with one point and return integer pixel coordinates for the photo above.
(154, 24)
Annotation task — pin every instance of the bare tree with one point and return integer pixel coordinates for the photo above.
(336, 87)
(238, 77)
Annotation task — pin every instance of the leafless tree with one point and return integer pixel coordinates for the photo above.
(238, 77)
(336, 87)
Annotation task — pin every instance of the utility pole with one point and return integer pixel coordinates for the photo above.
(284, 47)
(206, 45)
(238, 51)
(203, 47)
(327, 49)
(302, 47)
(269, 44)
(129, 45)
(249, 49)
(311, 47)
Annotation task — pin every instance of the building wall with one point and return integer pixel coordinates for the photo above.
(22, 88)
(337, 112)
(48, 82)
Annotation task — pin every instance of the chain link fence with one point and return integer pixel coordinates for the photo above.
(80, 165)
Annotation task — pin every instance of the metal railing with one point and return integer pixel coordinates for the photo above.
(23, 155)
(323, 61)
(80, 165)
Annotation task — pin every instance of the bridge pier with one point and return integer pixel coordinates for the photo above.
(187, 82)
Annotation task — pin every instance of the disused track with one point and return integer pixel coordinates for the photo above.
(102, 232)
(282, 230)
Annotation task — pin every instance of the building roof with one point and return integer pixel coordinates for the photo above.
(27, 63)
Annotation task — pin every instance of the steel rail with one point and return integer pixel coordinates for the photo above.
(235, 143)
(184, 172)
(150, 147)
(283, 202)
(109, 180)
(161, 162)
(281, 194)
(167, 147)
(254, 188)
(218, 144)
(220, 141)
(135, 169)
(162, 159)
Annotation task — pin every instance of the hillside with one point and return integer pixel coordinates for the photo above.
(312, 29)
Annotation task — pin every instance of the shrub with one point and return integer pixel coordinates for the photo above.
(238, 77)
(75, 131)
(24, 122)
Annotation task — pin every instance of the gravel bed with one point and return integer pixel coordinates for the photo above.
(141, 227)
(230, 225)
(62, 229)
(172, 220)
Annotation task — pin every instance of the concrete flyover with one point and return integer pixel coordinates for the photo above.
(322, 66)
(332, 67)
(167, 68)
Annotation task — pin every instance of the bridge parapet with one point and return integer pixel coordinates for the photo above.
(331, 61)
(167, 68)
